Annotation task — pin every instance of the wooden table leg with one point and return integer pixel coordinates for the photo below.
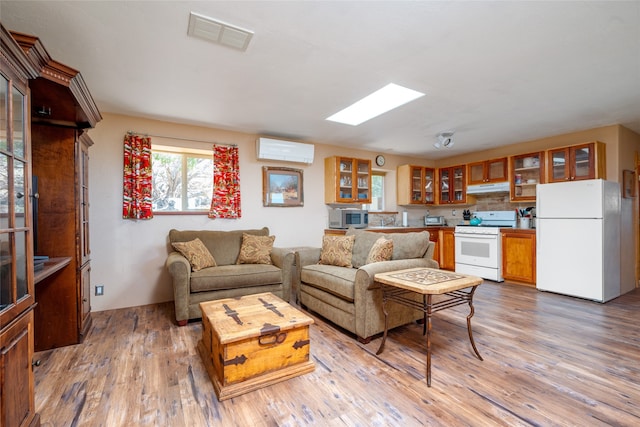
(471, 312)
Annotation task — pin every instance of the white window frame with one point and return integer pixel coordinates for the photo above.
(185, 153)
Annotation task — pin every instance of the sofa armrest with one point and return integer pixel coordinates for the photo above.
(367, 293)
(180, 271)
(283, 258)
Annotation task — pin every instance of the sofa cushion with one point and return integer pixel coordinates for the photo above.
(336, 280)
(382, 250)
(364, 241)
(223, 245)
(234, 276)
(256, 249)
(409, 245)
(405, 245)
(196, 253)
(336, 250)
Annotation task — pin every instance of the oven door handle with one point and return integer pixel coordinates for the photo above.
(476, 236)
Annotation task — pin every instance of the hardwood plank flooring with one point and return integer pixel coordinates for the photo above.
(549, 360)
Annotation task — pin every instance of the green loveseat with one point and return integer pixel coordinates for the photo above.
(228, 279)
(348, 296)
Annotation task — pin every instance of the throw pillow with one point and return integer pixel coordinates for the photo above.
(337, 250)
(196, 253)
(382, 250)
(256, 249)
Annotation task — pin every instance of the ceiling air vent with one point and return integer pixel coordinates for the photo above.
(219, 32)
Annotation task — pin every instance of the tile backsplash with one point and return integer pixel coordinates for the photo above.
(452, 213)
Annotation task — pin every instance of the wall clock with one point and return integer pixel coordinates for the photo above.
(380, 160)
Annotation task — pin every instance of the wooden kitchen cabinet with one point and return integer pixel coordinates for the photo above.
(347, 180)
(527, 171)
(415, 185)
(447, 249)
(577, 162)
(494, 170)
(17, 300)
(452, 185)
(64, 110)
(519, 256)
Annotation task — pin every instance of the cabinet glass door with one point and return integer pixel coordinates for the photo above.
(416, 185)
(559, 165)
(444, 186)
(429, 184)
(583, 162)
(363, 181)
(458, 183)
(346, 179)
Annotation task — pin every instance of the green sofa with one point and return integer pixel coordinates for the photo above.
(227, 279)
(349, 297)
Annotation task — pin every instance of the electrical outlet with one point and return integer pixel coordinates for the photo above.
(99, 290)
(453, 212)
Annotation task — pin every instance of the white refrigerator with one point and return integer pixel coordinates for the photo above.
(578, 239)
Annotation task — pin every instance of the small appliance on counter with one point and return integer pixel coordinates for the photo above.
(434, 221)
(345, 218)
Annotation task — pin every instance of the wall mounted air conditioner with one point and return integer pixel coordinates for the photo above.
(286, 151)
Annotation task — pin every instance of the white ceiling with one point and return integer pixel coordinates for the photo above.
(496, 73)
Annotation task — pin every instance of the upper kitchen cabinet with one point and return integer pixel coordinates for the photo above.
(488, 171)
(527, 171)
(347, 180)
(577, 162)
(416, 185)
(453, 188)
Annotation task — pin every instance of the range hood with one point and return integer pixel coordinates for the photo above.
(494, 187)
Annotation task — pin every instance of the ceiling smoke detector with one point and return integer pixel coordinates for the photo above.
(218, 32)
(445, 139)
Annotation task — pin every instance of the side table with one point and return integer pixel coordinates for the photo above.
(398, 286)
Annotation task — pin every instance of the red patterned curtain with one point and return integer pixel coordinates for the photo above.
(136, 203)
(225, 202)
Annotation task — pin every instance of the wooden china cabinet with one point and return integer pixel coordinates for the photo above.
(494, 170)
(62, 109)
(347, 180)
(577, 162)
(17, 301)
(453, 185)
(416, 185)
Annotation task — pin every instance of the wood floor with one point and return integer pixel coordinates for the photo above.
(548, 360)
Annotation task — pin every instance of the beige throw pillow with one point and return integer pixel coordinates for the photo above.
(337, 250)
(382, 250)
(256, 249)
(196, 253)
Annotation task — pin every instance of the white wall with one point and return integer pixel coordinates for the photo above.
(127, 256)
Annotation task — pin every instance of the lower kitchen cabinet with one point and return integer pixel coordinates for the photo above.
(519, 256)
(447, 249)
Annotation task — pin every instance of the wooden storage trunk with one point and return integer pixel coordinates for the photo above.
(252, 342)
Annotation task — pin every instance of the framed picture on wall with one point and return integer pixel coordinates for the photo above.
(282, 187)
(628, 184)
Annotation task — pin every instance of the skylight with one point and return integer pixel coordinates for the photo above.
(389, 97)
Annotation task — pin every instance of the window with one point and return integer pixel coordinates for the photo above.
(377, 192)
(182, 179)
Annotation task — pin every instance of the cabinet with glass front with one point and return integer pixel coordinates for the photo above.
(347, 180)
(527, 171)
(415, 185)
(453, 188)
(577, 162)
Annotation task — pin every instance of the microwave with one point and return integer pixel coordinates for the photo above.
(345, 218)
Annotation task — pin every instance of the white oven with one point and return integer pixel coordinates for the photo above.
(479, 252)
(478, 249)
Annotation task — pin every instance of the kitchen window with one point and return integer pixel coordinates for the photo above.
(377, 192)
(182, 180)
